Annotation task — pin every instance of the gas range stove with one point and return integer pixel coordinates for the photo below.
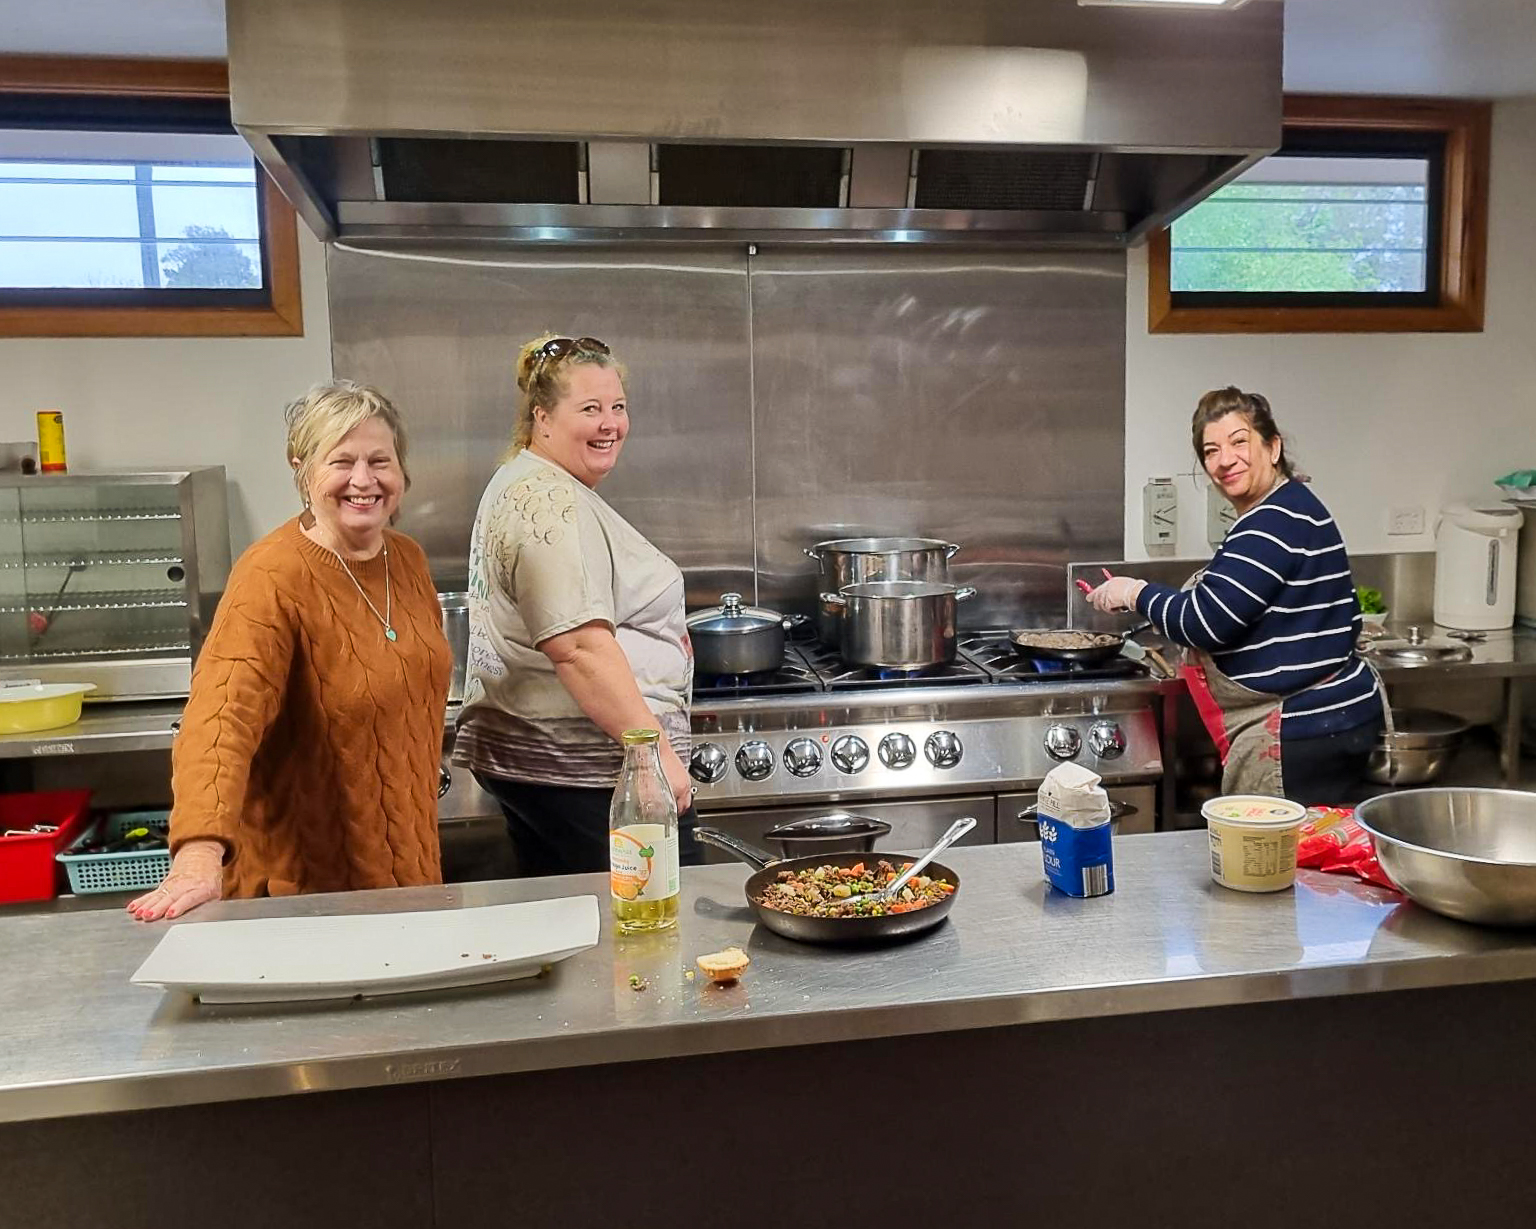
(819, 731)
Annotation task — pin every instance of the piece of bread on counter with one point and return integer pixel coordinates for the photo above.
(724, 966)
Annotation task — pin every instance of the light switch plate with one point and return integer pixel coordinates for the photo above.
(1219, 515)
(1159, 513)
(1405, 521)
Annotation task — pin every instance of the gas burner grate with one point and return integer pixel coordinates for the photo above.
(794, 677)
(835, 675)
(994, 652)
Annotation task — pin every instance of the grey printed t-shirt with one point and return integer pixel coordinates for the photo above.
(547, 554)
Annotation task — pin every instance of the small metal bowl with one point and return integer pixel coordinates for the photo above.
(1467, 853)
(1421, 744)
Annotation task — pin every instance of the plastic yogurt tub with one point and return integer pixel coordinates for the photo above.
(1253, 841)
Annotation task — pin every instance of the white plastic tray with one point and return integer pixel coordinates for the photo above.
(291, 959)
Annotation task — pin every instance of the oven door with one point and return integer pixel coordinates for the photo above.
(1012, 825)
(915, 826)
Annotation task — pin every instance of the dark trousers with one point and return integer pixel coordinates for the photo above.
(1328, 770)
(563, 830)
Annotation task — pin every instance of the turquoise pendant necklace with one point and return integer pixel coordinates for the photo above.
(389, 631)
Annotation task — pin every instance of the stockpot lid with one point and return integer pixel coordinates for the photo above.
(881, 546)
(731, 618)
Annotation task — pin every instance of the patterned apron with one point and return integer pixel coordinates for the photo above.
(1245, 724)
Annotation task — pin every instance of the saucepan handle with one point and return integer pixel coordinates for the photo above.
(965, 593)
(750, 854)
(950, 548)
(834, 599)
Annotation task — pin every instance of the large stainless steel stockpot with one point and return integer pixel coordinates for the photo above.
(852, 561)
(898, 624)
(455, 607)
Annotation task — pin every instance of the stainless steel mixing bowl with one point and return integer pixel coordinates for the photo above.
(1466, 853)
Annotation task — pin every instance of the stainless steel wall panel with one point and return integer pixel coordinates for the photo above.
(440, 335)
(977, 397)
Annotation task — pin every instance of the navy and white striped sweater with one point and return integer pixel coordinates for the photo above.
(1276, 610)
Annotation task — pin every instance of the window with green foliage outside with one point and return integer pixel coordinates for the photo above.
(1311, 228)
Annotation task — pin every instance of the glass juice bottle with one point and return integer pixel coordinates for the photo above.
(642, 839)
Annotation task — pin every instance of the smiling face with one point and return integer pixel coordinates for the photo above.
(1238, 460)
(355, 488)
(583, 432)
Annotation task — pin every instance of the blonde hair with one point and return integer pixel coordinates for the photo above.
(542, 381)
(326, 415)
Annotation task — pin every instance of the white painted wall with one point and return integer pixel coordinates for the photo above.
(168, 403)
(1379, 421)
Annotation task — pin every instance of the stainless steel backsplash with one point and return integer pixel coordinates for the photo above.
(777, 399)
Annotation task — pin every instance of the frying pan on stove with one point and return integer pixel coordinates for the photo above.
(852, 930)
(1095, 647)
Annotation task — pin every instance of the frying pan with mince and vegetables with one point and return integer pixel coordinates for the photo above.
(872, 929)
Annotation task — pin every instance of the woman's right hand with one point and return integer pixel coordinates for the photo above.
(197, 876)
(677, 777)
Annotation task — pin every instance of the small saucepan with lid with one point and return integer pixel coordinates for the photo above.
(735, 639)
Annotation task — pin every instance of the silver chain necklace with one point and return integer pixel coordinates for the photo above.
(389, 631)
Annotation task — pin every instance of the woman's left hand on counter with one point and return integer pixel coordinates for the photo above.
(197, 876)
(1116, 593)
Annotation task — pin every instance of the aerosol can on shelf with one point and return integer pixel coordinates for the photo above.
(642, 839)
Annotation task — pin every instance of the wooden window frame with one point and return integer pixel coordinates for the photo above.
(108, 77)
(1463, 229)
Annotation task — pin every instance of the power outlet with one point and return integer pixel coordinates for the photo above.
(1403, 522)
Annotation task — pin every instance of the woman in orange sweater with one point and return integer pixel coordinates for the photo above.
(309, 752)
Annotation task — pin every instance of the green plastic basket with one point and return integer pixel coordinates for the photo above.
(119, 872)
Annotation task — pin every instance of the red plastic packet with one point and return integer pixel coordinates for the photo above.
(1331, 840)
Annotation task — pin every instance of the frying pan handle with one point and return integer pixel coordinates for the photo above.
(750, 854)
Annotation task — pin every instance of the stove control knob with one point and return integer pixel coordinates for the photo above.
(754, 760)
(1063, 742)
(897, 751)
(1106, 740)
(850, 754)
(802, 757)
(943, 749)
(708, 763)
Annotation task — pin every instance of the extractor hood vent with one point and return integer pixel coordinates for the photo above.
(751, 176)
(863, 120)
(1003, 179)
(474, 171)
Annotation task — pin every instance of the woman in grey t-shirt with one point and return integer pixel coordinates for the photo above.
(577, 628)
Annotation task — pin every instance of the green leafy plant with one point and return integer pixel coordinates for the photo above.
(1371, 601)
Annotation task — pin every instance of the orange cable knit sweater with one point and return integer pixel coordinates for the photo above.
(310, 746)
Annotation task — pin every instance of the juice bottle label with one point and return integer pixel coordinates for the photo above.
(643, 862)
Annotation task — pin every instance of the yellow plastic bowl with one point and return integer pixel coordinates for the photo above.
(27, 707)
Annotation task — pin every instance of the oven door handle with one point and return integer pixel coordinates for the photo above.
(1117, 812)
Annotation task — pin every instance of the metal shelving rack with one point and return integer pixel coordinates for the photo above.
(110, 578)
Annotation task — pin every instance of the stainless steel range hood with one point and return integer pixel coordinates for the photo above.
(802, 120)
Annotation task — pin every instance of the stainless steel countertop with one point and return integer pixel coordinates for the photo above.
(80, 1039)
(1506, 654)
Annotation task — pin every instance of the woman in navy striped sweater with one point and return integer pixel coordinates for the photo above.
(1271, 622)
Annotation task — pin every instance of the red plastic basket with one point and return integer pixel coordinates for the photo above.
(27, 869)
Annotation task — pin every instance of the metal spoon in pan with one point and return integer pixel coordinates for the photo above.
(881, 896)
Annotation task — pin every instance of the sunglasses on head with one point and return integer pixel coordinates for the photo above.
(560, 347)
